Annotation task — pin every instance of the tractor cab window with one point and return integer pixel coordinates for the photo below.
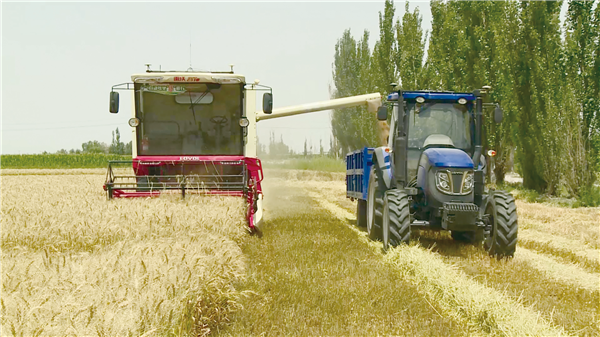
(448, 122)
(189, 119)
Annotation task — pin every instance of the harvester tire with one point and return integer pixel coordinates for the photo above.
(361, 213)
(396, 219)
(374, 207)
(500, 237)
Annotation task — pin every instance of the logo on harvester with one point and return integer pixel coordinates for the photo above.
(189, 158)
(239, 162)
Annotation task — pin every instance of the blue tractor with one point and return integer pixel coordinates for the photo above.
(431, 174)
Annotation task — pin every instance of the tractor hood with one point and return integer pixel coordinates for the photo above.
(448, 157)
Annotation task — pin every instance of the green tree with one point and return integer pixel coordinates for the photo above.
(352, 127)
(94, 146)
(410, 50)
(116, 147)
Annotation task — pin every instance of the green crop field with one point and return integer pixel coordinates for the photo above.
(56, 161)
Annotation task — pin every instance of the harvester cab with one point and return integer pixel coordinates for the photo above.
(431, 174)
(195, 132)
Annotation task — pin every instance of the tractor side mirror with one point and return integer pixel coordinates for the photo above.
(114, 102)
(498, 114)
(268, 103)
(382, 113)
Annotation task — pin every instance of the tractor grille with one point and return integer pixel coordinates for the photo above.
(460, 207)
(457, 181)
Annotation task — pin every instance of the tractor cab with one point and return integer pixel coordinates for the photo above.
(435, 120)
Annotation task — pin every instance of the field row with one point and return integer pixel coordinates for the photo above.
(550, 287)
(77, 264)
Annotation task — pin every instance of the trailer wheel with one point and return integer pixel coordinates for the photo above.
(374, 207)
(361, 213)
(396, 219)
(500, 235)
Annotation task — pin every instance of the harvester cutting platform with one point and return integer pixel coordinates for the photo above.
(195, 132)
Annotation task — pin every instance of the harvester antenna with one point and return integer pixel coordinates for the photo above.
(231, 66)
(190, 68)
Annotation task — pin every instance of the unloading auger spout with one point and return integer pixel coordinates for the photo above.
(372, 101)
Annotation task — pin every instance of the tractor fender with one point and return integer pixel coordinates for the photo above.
(383, 166)
(485, 201)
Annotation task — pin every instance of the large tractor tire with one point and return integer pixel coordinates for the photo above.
(396, 219)
(374, 207)
(500, 235)
(361, 213)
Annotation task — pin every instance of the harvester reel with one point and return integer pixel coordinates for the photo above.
(396, 219)
(500, 235)
(374, 207)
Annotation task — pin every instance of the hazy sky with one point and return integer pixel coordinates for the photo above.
(59, 61)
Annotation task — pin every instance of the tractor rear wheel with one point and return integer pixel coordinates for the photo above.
(396, 219)
(361, 213)
(500, 235)
(374, 207)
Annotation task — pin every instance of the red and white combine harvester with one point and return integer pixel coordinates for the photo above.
(195, 132)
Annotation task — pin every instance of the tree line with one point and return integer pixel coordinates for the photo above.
(546, 77)
(94, 146)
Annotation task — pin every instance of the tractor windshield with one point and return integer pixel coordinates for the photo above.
(448, 121)
(189, 119)
(451, 120)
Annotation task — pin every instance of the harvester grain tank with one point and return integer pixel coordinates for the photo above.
(195, 132)
(431, 174)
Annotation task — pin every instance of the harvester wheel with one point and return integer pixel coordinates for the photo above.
(396, 219)
(500, 236)
(374, 207)
(361, 213)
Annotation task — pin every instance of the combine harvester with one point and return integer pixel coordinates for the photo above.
(195, 132)
(431, 174)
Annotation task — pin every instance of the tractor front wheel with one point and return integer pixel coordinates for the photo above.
(374, 207)
(396, 219)
(500, 234)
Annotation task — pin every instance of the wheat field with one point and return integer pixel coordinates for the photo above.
(76, 264)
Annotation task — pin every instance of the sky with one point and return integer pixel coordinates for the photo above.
(59, 61)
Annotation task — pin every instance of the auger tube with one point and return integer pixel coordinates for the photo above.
(372, 101)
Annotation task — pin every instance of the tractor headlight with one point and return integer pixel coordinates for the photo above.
(443, 181)
(468, 182)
